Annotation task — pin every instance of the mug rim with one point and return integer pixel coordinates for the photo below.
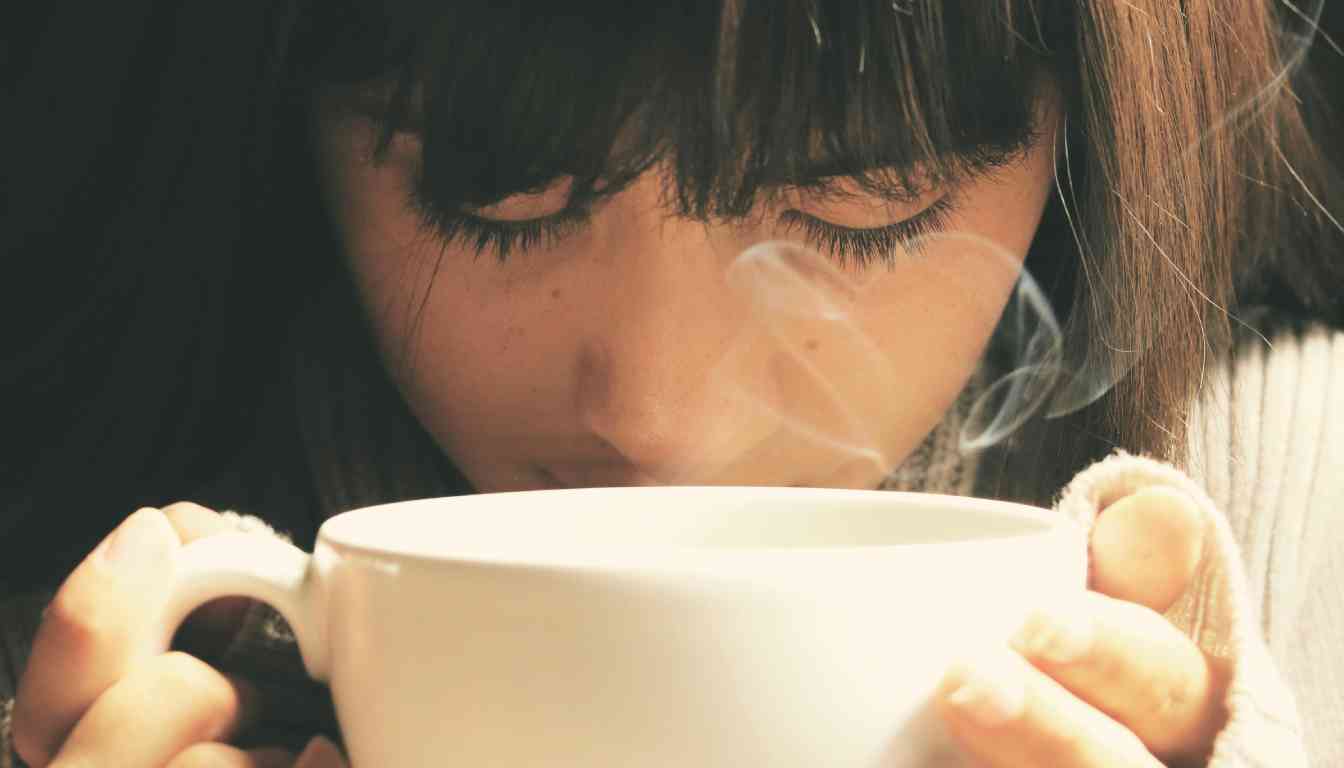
(1042, 524)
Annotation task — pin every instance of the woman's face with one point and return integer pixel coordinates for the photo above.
(644, 348)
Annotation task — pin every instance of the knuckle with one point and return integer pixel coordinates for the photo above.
(207, 694)
(1111, 670)
(1163, 694)
(1153, 700)
(80, 620)
(1173, 699)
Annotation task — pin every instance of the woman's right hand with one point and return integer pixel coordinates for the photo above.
(95, 693)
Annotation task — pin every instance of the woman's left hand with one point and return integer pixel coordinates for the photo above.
(1105, 681)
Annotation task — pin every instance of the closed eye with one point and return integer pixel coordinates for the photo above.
(862, 246)
(847, 246)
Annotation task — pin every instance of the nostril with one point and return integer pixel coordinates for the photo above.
(636, 410)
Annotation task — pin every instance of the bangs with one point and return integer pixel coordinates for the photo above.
(734, 98)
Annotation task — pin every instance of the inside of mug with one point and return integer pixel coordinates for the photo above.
(679, 518)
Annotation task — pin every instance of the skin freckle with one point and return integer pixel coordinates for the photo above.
(629, 382)
(511, 334)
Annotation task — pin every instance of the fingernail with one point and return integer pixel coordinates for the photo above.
(991, 693)
(135, 539)
(1058, 634)
(320, 753)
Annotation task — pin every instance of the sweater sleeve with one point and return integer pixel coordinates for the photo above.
(1266, 445)
(1267, 441)
(1263, 728)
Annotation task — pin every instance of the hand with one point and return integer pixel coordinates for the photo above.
(1105, 681)
(94, 692)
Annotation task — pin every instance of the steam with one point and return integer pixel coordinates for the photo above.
(822, 371)
(816, 374)
(1297, 41)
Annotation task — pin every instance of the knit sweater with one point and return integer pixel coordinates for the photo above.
(1266, 443)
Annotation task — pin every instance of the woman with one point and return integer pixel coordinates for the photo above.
(536, 207)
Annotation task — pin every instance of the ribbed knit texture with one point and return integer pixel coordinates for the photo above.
(1267, 444)
(1263, 730)
(938, 464)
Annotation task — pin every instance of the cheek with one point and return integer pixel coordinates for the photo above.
(491, 356)
(930, 319)
(426, 313)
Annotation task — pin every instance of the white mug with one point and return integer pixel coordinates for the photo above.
(677, 627)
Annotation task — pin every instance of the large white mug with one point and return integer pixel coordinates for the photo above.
(681, 627)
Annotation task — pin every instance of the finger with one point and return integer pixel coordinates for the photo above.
(95, 628)
(1146, 547)
(1132, 664)
(193, 521)
(215, 755)
(208, 629)
(185, 699)
(320, 753)
(1007, 714)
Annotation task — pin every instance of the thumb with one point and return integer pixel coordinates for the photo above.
(1146, 546)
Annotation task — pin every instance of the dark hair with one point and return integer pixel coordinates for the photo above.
(508, 97)
(206, 344)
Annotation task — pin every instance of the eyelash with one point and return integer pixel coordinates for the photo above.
(845, 245)
(864, 246)
(500, 236)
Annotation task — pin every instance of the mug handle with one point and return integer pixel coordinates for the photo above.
(259, 567)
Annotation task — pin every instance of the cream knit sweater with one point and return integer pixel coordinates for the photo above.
(1267, 466)
(1266, 446)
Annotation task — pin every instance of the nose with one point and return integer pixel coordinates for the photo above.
(650, 371)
